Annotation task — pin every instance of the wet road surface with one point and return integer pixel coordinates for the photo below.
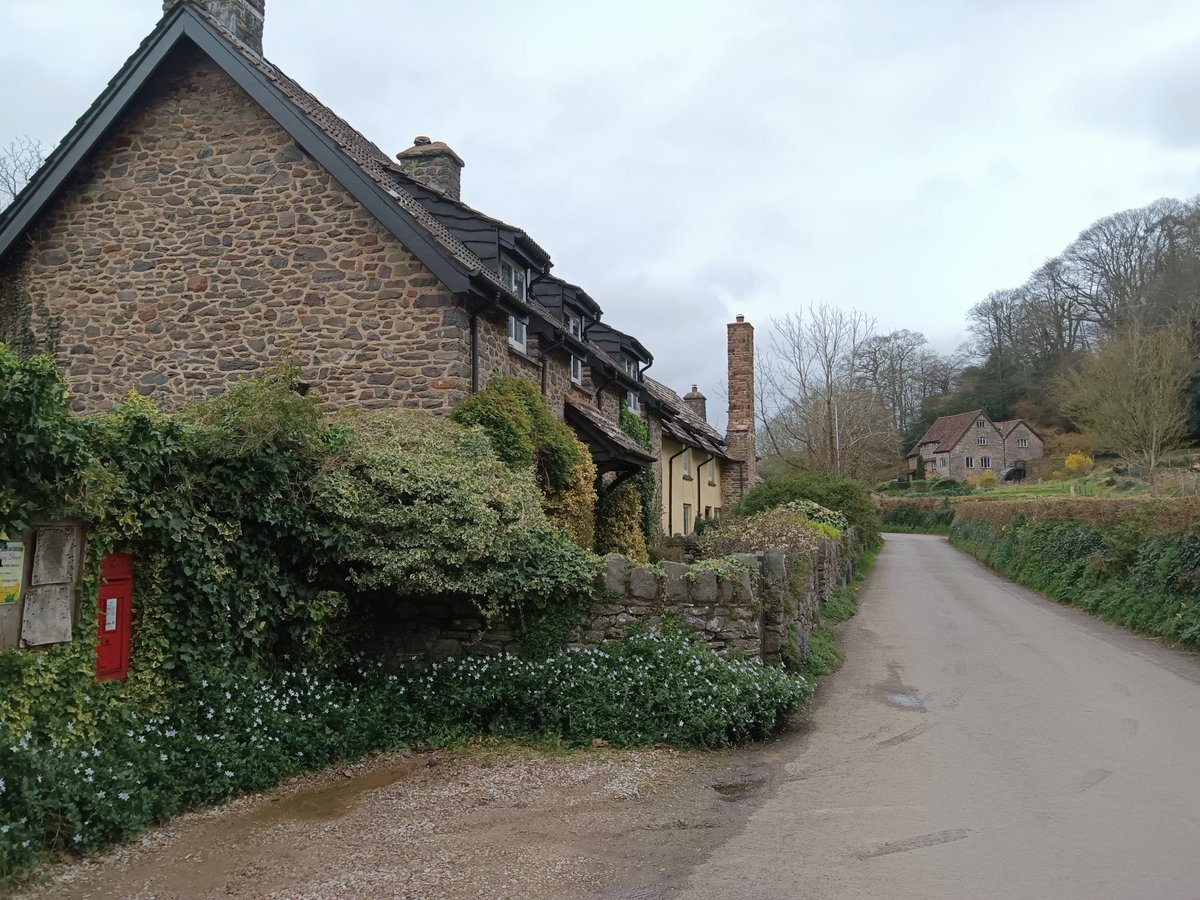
(980, 742)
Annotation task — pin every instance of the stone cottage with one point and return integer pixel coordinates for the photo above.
(207, 215)
(970, 443)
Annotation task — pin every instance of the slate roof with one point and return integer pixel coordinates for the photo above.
(947, 431)
(682, 423)
(611, 447)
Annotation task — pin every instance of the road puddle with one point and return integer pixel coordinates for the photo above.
(907, 701)
(334, 800)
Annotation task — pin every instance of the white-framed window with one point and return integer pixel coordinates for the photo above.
(970, 462)
(576, 370)
(574, 324)
(1022, 442)
(514, 276)
(687, 518)
(982, 442)
(942, 461)
(518, 333)
(631, 366)
(981, 423)
(631, 402)
(712, 474)
(985, 462)
(686, 462)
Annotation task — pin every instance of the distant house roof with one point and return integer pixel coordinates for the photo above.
(682, 423)
(947, 431)
(1006, 428)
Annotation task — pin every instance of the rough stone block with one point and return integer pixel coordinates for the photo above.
(615, 566)
(643, 583)
(675, 586)
(704, 588)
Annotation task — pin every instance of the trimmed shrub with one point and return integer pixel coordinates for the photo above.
(786, 527)
(619, 517)
(834, 492)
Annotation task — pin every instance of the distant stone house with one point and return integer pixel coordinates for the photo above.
(970, 443)
(207, 214)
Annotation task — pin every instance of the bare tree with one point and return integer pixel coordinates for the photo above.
(1131, 392)
(18, 163)
(816, 408)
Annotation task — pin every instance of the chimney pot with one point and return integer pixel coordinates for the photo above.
(741, 318)
(421, 140)
(697, 403)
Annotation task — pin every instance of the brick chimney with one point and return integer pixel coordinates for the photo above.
(697, 402)
(434, 165)
(739, 436)
(241, 18)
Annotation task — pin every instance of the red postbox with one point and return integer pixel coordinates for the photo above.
(114, 609)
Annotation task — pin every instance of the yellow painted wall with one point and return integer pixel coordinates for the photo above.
(680, 489)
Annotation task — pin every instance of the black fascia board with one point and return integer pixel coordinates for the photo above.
(184, 22)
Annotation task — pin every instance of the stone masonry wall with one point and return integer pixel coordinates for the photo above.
(199, 243)
(747, 609)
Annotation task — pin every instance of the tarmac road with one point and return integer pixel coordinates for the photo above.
(980, 742)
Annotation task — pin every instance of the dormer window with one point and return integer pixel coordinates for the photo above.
(518, 333)
(514, 276)
(631, 366)
(575, 325)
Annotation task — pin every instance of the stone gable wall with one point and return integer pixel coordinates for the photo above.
(1015, 454)
(968, 445)
(199, 243)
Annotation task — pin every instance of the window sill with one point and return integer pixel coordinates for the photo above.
(687, 477)
(712, 484)
(523, 354)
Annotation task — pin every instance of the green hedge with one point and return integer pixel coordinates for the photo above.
(1150, 583)
(843, 495)
(917, 517)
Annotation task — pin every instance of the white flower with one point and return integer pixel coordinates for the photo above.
(78, 839)
(101, 794)
(1, 785)
(124, 795)
(228, 774)
(162, 757)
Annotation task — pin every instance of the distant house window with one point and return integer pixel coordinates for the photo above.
(982, 442)
(631, 401)
(970, 462)
(981, 423)
(686, 462)
(518, 333)
(985, 462)
(576, 370)
(1022, 442)
(514, 277)
(712, 475)
(708, 512)
(943, 461)
(717, 513)
(687, 518)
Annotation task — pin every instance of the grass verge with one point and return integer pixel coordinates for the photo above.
(824, 652)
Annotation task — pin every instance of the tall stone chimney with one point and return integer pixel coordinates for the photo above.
(697, 402)
(434, 165)
(740, 477)
(241, 18)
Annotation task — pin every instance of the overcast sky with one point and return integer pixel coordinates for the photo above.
(689, 161)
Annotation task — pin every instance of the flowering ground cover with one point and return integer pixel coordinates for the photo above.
(231, 732)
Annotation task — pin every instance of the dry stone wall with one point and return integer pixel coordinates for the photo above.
(746, 605)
